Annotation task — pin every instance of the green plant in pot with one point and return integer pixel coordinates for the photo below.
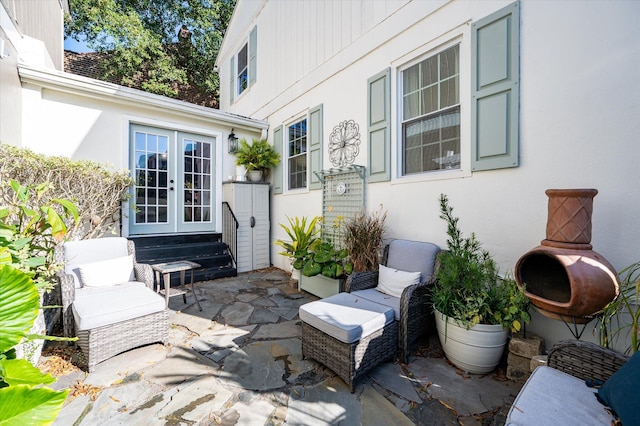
(257, 157)
(620, 319)
(470, 299)
(302, 236)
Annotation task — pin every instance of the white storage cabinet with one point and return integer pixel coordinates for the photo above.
(250, 204)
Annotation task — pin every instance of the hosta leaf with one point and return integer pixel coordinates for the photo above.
(19, 303)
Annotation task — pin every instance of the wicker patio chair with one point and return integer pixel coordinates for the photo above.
(585, 360)
(414, 313)
(109, 339)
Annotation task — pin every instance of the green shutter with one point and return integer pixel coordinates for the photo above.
(315, 146)
(379, 126)
(277, 171)
(495, 66)
(253, 55)
(232, 80)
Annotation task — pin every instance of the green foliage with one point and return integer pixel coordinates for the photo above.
(30, 228)
(258, 155)
(302, 237)
(143, 42)
(324, 258)
(363, 236)
(469, 288)
(24, 399)
(95, 189)
(327, 256)
(621, 317)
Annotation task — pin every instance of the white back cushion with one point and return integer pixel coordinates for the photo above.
(89, 251)
(107, 272)
(393, 281)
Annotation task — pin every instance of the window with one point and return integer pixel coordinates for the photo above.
(297, 155)
(243, 70)
(431, 113)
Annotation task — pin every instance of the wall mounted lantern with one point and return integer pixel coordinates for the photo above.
(233, 143)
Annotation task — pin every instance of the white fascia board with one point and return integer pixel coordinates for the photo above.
(79, 85)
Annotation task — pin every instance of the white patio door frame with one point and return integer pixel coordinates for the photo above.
(175, 181)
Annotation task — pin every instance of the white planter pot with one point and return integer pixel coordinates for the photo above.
(255, 175)
(319, 285)
(295, 274)
(477, 350)
(241, 172)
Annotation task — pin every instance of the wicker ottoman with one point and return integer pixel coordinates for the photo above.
(348, 334)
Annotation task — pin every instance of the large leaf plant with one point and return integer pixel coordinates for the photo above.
(24, 397)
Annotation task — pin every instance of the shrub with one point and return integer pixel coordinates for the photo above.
(96, 190)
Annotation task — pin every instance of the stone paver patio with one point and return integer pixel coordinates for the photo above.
(239, 362)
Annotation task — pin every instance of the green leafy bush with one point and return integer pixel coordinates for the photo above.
(468, 286)
(30, 228)
(94, 188)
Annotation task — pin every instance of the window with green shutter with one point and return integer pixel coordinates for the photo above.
(244, 66)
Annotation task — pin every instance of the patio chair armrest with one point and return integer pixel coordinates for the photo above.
(585, 360)
(144, 273)
(361, 281)
(414, 313)
(68, 295)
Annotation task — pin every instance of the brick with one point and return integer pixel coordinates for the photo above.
(526, 347)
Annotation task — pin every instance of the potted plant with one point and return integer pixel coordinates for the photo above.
(326, 264)
(257, 157)
(474, 307)
(363, 237)
(621, 317)
(302, 237)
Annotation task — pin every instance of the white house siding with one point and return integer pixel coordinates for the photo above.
(579, 113)
(81, 118)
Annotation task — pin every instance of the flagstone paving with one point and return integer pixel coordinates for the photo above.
(239, 362)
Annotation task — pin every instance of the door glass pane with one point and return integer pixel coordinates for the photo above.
(196, 176)
(151, 185)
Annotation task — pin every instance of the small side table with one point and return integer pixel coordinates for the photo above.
(166, 269)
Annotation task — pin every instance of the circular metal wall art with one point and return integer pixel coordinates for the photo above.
(344, 143)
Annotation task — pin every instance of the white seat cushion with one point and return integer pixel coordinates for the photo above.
(551, 397)
(93, 309)
(346, 317)
(373, 295)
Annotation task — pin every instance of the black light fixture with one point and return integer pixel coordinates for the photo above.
(233, 143)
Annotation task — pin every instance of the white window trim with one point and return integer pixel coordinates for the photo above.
(285, 151)
(462, 37)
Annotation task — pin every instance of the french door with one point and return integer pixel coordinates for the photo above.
(174, 189)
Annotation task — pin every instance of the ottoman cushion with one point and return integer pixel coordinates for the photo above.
(346, 317)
